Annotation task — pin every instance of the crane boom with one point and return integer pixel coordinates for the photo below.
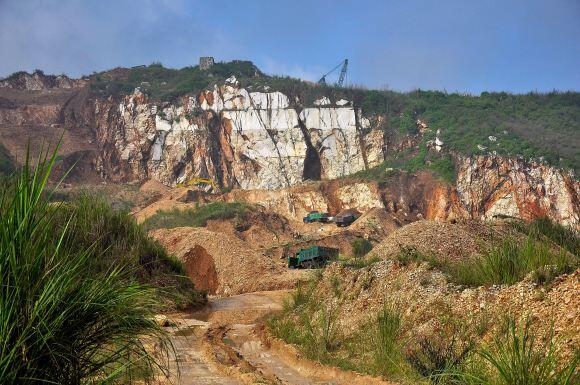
(342, 73)
(342, 76)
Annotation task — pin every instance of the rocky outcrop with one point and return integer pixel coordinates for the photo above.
(492, 186)
(252, 140)
(268, 143)
(39, 81)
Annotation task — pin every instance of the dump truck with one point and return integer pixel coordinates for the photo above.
(315, 216)
(345, 219)
(312, 257)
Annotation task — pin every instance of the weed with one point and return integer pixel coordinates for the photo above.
(361, 246)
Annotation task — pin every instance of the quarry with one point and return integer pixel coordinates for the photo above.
(323, 240)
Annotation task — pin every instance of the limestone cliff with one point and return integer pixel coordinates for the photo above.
(267, 143)
(252, 140)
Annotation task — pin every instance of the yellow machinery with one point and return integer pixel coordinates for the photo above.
(205, 184)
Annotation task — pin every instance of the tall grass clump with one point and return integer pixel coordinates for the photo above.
(517, 357)
(565, 237)
(59, 322)
(386, 351)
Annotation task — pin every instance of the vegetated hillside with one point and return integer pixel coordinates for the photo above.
(532, 125)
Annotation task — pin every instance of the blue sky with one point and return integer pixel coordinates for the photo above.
(453, 45)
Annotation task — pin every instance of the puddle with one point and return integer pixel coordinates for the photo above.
(188, 331)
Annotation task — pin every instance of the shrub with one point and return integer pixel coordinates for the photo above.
(60, 321)
(116, 239)
(361, 246)
(438, 356)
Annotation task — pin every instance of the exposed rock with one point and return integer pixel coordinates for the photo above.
(39, 81)
(490, 186)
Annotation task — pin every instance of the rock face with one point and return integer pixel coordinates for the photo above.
(267, 143)
(491, 186)
(39, 81)
(243, 139)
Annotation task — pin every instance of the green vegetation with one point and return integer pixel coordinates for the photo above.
(312, 324)
(517, 357)
(506, 262)
(361, 246)
(61, 320)
(440, 164)
(166, 83)
(197, 217)
(451, 353)
(116, 239)
(533, 125)
(563, 236)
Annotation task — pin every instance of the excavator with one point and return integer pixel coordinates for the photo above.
(205, 184)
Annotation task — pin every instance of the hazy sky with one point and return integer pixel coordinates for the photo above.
(457, 45)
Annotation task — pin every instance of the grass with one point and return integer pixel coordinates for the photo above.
(312, 323)
(197, 217)
(506, 262)
(517, 357)
(360, 247)
(60, 320)
(116, 239)
(453, 352)
(565, 237)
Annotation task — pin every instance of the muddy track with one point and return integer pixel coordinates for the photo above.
(226, 343)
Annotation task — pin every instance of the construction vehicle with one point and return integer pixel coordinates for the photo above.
(312, 257)
(315, 216)
(344, 220)
(341, 77)
(205, 184)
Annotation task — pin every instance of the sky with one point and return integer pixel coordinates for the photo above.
(453, 45)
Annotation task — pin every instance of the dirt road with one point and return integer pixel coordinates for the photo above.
(224, 344)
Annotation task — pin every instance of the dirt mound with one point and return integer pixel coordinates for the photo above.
(200, 267)
(152, 186)
(239, 268)
(376, 223)
(425, 298)
(442, 239)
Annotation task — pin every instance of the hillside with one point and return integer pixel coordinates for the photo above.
(248, 131)
(533, 125)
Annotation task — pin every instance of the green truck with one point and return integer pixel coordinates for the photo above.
(315, 216)
(312, 257)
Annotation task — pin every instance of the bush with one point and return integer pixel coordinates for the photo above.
(361, 246)
(197, 217)
(60, 321)
(116, 239)
(439, 356)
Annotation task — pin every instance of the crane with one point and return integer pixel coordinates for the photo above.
(342, 76)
